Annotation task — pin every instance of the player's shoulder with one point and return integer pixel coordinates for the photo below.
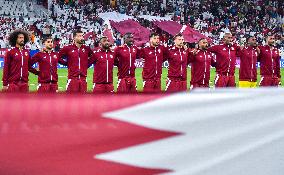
(97, 50)
(172, 48)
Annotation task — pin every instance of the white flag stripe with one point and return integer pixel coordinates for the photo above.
(222, 131)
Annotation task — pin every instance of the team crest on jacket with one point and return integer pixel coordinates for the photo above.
(54, 56)
(150, 53)
(175, 54)
(26, 53)
(111, 56)
(134, 50)
(16, 54)
(83, 50)
(232, 48)
(224, 49)
(159, 50)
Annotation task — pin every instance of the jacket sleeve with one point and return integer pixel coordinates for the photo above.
(278, 65)
(93, 59)
(213, 60)
(165, 53)
(34, 59)
(213, 49)
(7, 61)
(190, 57)
(62, 55)
(115, 56)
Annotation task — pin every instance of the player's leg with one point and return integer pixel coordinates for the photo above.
(121, 86)
(231, 81)
(265, 81)
(148, 86)
(12, 87)
(133, 85)
(220, 81)
(82, 86)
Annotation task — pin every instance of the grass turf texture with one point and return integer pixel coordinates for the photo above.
(62, 73)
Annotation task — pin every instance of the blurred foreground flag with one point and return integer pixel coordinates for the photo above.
(225, 132)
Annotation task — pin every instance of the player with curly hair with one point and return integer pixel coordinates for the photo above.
(16, 61)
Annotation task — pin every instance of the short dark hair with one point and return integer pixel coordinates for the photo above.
(178, 35)
(154, 34)
(14, 36)
(75, 32)
(102, 37)
(46, 38)
(269, 34)
(249, 37)
(201, 39)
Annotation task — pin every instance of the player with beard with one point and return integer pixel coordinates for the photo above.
(178, 62)
(76, 56)
(248, 57)
(201, 60)
(103, 60)
(226, 55)
(154, 56)
(47, 60)
(269, 58)
(16, 61)
(125, 57)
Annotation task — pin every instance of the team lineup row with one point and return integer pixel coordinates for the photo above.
(79, 57)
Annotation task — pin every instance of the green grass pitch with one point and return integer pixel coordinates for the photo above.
(62, 73)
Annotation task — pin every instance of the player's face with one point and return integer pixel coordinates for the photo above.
(179, 40)
(105, 43)
(21, 40)
(252, 42)
(271, 40)
(228, 39)
(48, 44)
(155, 40)
(129, 40)
(79, 38)
(203, 44)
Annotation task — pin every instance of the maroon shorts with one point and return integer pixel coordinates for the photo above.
(269, 81)
(126, 85)
(103, 88)
(152, 85)
(198, 85)
(225, 81)
(47, 88)
(176, 85)
(76, 86)
(20, 86)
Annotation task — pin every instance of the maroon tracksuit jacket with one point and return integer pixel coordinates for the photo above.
(126, 57)
(200, 68)
(16, 63)
(103, 66)
(178, 62)
(76, 60)
(269, 61)
(177, 74)
(248, 57)
(269, 66)
(154, 58)
(47, 63)
(225, 58)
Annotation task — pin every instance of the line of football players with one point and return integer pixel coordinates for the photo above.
(79, 57)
